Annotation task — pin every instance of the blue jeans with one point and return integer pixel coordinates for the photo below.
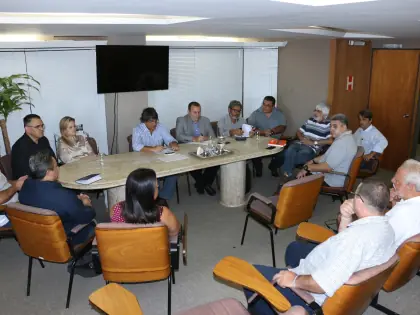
(296, 251)
(260, 306)
(169, 186)
(296, 154)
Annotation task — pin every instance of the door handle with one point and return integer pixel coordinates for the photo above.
(406, 116)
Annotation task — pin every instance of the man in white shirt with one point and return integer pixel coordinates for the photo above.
(364, 243)
(8, 193)
(370, 138)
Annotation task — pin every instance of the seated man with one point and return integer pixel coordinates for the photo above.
(313, 136)
(338, 156)
(8, 194)
(195, 128)
(151, 136)
(404, 216)
(370, 138)
(43, 190)
(32, 141)
(231, 123)
(268, 121)
(367, 242)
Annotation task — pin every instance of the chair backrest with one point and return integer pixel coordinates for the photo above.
(93, 144)
(355, 296)
(354, 169)
(409, 265)
(40, 232)
(214, 126)
(130, 143)
(297, 200)
(133, 252)
(173, 132)
(6, 166)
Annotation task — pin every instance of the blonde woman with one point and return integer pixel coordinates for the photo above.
(72, 147)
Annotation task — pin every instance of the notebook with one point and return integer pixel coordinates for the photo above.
(89, 179)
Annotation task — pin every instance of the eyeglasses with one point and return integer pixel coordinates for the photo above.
(235, 110)
(357, 195)
(39, 127)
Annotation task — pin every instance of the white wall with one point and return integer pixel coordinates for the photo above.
(68, 88)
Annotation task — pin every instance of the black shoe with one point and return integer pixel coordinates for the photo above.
(209, 190)
(273, 170)
(200, 190)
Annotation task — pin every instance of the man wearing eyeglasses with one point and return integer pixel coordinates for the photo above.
(231, 123)
(32, 141)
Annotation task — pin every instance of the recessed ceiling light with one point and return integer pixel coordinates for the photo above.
(92, 18)
(330, 33)
(319, 3)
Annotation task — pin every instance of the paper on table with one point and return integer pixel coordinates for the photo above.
(166, 151)
(202, 143)
(172, 157)
(246, 129)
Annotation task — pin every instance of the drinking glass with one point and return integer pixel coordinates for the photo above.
(257, 135)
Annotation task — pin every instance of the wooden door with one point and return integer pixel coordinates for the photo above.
(393, 101)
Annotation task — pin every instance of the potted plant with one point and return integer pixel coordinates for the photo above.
(14, 93)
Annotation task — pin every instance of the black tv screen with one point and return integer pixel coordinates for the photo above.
(131, 68)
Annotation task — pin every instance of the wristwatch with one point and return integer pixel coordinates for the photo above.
(306, 168)
(316, 142)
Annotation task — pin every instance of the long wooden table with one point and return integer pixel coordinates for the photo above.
(115, 169)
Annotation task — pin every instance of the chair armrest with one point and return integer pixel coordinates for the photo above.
(79, 227)
(3, 208)
(313, 233)
(257, 196)
(338, 173)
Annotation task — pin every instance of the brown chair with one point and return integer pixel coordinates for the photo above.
(214, 126)
(93, 144)
(353, 298)
(40, 234)
(113, 299)
(372, 169)
(133, 253)
(130, 143)
(287, 209)
(342, 192)
(6, 166)
(407, 269)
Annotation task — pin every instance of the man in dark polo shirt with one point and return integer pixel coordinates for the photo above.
(32, 141)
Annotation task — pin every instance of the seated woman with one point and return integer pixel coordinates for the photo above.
(140, 205)
(72, 147)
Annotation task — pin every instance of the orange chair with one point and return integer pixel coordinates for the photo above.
(373, 167)
(340, 192)
(40, 234)
(113, 299)
(133, 253)
(353, 298)
(287, 209)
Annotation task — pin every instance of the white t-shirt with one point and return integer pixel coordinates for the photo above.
(4, 184)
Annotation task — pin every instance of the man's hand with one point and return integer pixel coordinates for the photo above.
(347, 209)
(369, 156)
(199, 139)
(236, 132)
(266, 133)
(85, 199)
(158, 148)
(307, 141)
(301, 174)
(284, 278)
(393, 196)
(19, 183)
(174, 146)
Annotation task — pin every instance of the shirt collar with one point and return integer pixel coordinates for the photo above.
(368, 128)
(345, 133)
(369, 220)
(411, 200)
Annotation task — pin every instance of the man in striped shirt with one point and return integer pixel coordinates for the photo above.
(313, 136)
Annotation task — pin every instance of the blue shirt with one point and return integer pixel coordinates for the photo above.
(143, 138)
(196, 128)
(260, 120)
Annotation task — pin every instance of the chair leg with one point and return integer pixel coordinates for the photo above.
(278, 229)
(41, 263)
(244, 231)
(188, 183)
(375, 304)
(73, 266)
(28, 285)
(418, 273)
(272, 248)
(177, 192)
(173, 275)
(346, 195)
(169, 295)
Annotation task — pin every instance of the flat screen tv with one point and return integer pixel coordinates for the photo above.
(131, 68)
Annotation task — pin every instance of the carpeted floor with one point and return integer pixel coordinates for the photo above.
(214, 232)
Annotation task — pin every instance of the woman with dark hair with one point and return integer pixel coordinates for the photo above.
(140, 206)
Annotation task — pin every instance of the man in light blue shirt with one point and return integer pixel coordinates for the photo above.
(231, 123)
(269, 122)
(370, 138)
(151, 136)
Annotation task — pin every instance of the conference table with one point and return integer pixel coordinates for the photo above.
(114, 169)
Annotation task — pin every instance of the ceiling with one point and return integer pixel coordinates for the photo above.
(233, 18)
